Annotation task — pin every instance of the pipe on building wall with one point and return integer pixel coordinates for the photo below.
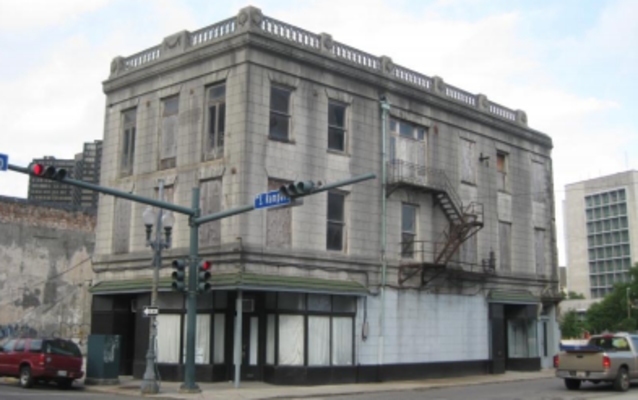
(385, 108)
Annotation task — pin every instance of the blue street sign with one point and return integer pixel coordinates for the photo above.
(271, 199)
(4, 162)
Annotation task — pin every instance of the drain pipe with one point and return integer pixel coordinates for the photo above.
(385, 108)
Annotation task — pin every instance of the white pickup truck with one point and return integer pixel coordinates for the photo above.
(606, 358)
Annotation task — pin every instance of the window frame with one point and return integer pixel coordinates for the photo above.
(213, 145)
(342, 129)
(169, 161)
(129, 133)
(502, 169)
(287, 115)
(334, 222)
(405, 251)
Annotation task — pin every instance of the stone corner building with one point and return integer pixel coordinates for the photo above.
(460, 218)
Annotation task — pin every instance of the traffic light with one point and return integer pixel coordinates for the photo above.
(297, 189)
(179, 275)
(203, 276)
(47, 171)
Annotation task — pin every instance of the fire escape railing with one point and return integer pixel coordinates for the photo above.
(464, 221)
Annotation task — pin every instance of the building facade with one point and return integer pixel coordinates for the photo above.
(600, 214)
(85, 166)
(443, 265)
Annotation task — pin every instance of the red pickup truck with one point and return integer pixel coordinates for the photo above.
(41, 360)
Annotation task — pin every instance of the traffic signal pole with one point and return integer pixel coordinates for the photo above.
(195, 220)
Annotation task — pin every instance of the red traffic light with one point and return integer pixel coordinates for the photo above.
(206, 265)
(37, 169)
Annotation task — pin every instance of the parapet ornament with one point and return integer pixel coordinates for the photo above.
(326, 40)
(521, 117)
(118, 65)
(252, 14)
(387, 66)
(482, 102)
(439, 84)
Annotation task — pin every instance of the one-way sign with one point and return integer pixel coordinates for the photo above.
(271, 199)
(148, 311)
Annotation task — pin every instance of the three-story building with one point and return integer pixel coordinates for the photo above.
(445, 264)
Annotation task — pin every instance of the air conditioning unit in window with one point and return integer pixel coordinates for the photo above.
(248, 305)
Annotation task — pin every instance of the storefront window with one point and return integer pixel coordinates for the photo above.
(342, 341)
(219, 337)
(318, 340)
(522, 338)
(291, 340)
(270, 340)
(168, 338)
(202, 340)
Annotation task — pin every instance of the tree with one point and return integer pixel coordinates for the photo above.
(571, 326)
(611, 314)
(575, 296)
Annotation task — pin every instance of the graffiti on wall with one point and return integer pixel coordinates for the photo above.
(78, 332)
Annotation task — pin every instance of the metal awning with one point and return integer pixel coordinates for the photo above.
(512, 297)
(241, 280)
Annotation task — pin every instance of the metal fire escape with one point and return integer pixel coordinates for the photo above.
(464, 221)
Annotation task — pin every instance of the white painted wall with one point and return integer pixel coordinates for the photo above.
(424, 327)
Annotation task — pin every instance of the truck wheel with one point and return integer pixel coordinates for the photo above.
(621, 383)
(26, 379)
(572, 384)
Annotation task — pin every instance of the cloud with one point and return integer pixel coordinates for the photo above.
(20, 15)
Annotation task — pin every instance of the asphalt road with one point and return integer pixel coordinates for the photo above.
(540, 389)
(12, 391)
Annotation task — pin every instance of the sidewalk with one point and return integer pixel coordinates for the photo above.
(261, 390)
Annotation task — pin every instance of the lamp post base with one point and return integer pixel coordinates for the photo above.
(149, 387)
(149, 381)
(194, 388)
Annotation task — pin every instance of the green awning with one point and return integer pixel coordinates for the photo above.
(243, 281)
(512, 297)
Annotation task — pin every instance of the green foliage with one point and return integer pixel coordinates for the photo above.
(571, 326)
(611, 314)
(575, 296)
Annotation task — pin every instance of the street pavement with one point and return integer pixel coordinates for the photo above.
(261, 390)
(511, 385)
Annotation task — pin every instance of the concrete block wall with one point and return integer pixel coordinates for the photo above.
(422, 327)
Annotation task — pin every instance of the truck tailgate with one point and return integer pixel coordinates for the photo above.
(590, 361)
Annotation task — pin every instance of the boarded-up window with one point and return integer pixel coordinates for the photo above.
(539, 239)
(278, 222)
(468, 162)
(210, 202)
(539, 182)
(170, 123)
(505, 244)
(121, 226)
(501, 169)
(169, 196)
(408, 148)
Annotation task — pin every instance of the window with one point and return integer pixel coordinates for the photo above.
(336, 221)
(280, 113)
(501, 168)
(505, 244)
(291, 340)
(62, 347)
(170, 123)
(19, 346)
(121, 226)
(539, 238)
(216, 126)
(408, 148)
(168, 336)
(129, 122)
(408, 230)
(336, 126)
(35, 346)
(468, 162)
(210, 202)
(539, 182)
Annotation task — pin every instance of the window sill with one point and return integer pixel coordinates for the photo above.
(280, 140)
(337, 152)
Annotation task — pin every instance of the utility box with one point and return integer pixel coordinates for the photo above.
(103, 360)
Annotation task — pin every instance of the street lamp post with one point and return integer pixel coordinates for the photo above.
(150, 385)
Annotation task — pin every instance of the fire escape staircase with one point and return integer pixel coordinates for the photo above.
(464, 221)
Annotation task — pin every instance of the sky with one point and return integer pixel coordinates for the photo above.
(572, 65)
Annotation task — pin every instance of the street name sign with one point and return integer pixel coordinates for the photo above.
(4, 162)
(273, 198)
